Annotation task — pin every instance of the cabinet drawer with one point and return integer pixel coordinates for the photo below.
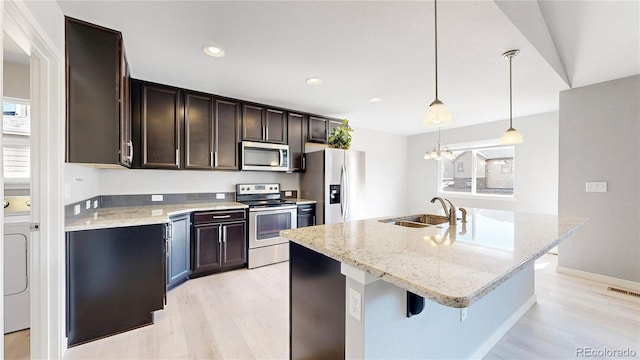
(306, 209)
(218, 216)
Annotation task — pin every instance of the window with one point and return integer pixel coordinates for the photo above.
(479, 171)
(16, 128)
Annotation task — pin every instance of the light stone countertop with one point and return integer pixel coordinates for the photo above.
(113, 217)
(300, 201)
(451, 265)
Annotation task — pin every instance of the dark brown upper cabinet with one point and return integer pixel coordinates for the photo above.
(226, 130)
(157, 113)
(263, 124)
(321, 128)
(211, 132)
(199, 121)
(98, 123)
(296, 139)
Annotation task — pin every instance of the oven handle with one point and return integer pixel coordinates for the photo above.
(273, 208)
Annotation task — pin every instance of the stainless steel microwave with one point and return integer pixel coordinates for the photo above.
(265, 156)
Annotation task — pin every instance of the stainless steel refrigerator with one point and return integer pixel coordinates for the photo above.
(335, 179)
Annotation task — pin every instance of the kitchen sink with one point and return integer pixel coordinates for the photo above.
(417, 221)
(433, 219)
(411, 224)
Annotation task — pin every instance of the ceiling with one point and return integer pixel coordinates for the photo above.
(385, 49)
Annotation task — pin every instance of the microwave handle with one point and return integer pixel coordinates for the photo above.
(281, 157)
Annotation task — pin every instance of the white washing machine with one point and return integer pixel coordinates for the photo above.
(17, 221)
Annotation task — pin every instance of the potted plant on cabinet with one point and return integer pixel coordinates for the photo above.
(341, 136)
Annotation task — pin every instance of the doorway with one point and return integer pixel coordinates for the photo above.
(46, 90)
(16, 129)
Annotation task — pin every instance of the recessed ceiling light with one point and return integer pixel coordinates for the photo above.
(314, 81)
(375, 100)
(213, 51)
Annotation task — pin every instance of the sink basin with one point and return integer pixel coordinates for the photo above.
(411, 224)
(432, 219)
(418, 221)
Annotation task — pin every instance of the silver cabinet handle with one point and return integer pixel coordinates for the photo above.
(224, 234)
(305, 210)
(304, 162)
(215, 159)
(178, 157)
(130, 146)
(221, 216)
(219, 234)
(211, 159)
(314, 220)
(263, 133)
(266, 133)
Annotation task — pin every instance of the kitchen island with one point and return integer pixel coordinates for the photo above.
(477, 279)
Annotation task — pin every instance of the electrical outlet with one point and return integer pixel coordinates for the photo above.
(596, 186)
(463, 314)
(95, 204)
(87, 205)
(355, 304)
(76, 209)
(220, 196)
(157, 197)
(288, 193)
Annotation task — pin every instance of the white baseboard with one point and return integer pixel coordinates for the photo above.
(484, 349)
(620, 283)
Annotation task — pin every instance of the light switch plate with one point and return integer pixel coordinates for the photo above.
(596, 186)
(220, 196)
(288, 193)
(355, 304)
(157, 197)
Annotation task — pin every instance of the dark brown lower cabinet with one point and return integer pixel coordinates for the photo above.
(219, 241)
(115, 280)
(316, 305)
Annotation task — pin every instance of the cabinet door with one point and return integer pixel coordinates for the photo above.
(296, 138)
(93, 93)
(206, 255)
(198, 131)
(252, 127)
(126, 145)
(226, 134)
(160, 126)
(179, 264)
(234, 244)
(317, 129)
(115, 280)
(276, 126)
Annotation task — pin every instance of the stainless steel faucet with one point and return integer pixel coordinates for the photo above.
(450, 213)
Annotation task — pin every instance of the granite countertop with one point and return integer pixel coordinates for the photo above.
(300, 201)
(141, 215)
(451, 265)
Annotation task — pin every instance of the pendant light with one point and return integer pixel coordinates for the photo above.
(511, 136)
(437, 152)
(436, 114)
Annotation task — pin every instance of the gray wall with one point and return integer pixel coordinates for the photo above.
(16, 81)
(599, 137)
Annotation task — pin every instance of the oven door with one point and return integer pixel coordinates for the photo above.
(265, 225)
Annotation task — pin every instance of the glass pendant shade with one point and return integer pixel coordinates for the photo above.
(436, 115)
(511, 137)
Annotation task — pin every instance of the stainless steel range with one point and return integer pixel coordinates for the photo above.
(268, 215)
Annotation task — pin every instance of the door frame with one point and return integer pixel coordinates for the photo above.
(47, 159)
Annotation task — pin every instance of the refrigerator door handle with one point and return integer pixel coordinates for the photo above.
(347, 194)
(342, 187)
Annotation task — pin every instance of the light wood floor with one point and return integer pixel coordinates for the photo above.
(244, 314)
(16, 345)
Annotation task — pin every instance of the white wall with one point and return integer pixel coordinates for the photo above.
(80, 182)
(536, 169)
(15, 82)
(385, 172)
(600, 137)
